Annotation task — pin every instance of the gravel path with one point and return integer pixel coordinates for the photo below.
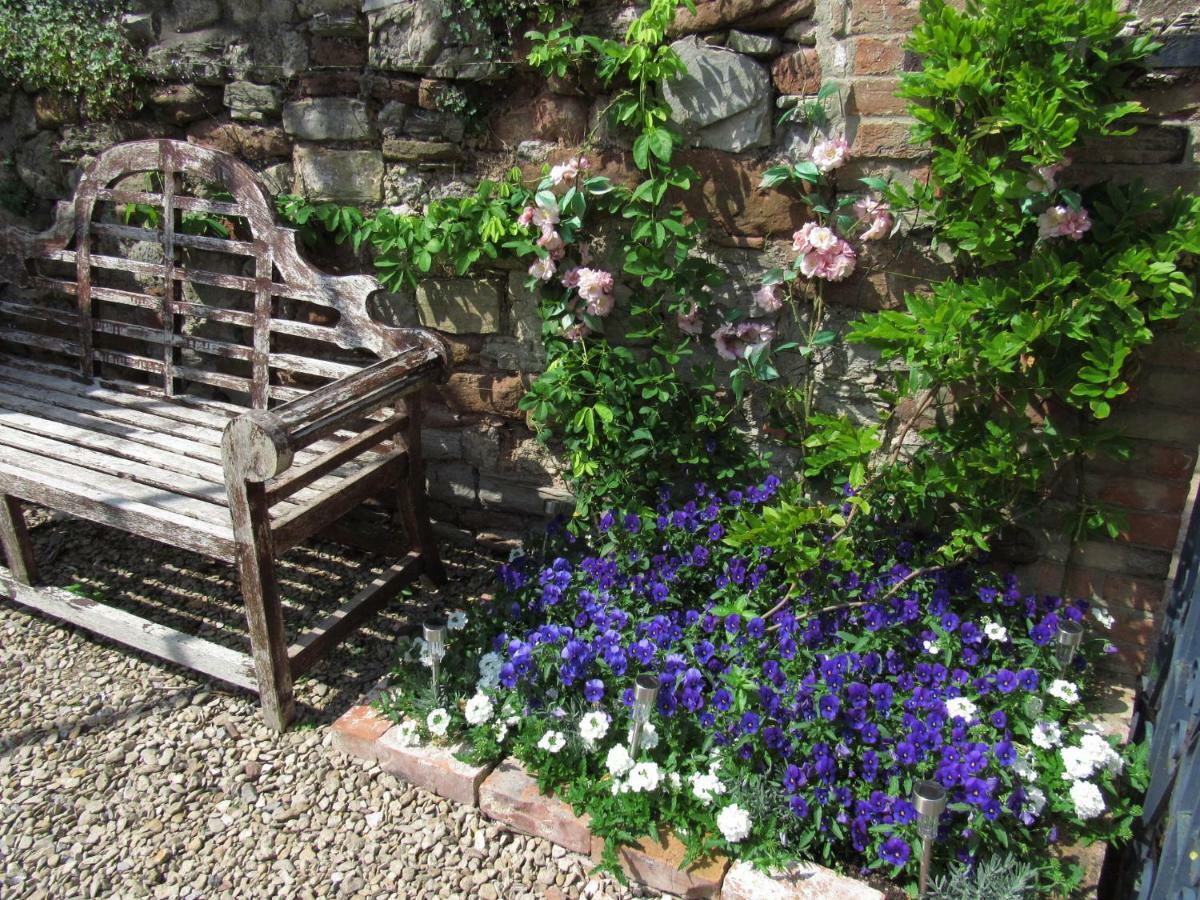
(124, 776)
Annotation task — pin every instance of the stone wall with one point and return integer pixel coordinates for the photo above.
(359, 101)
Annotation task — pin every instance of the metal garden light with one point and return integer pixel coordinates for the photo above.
(645, 692)
(929, 798)
(1069, 636)
(435, 638)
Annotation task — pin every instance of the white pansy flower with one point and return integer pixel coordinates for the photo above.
(479, 709)
(1046, 735)
(931, 647)
(1088, 800)
(1103, 616)
(706, 786)
(734, 823)
(456, 620)
(593, 727)
(618, 761)
(995, 631)
(438, 721)
(552, 741)
(961, 708)
(1067, 691)
(645, 776)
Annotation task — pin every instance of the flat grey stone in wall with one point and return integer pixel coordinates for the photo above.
(327, 119)
(343, 175)
(199, 60)
(391, 117)
(192, 15)
(139, 28)
(720, 85)
(275, 55)
(252, 102)
(278, 178)
(395, 309)
(451, 482)
(758, 45)
(459, 305)
(39, 168)
(420, 151)
(415, 36)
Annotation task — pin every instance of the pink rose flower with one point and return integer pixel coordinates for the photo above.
(552, 242)
(600, 306)
(542, 268)
(545, 215)
(571, 279)
(835, 264)
(767, 298)
(1044, 180)
(526, 217)
(594, 282)
(831, 154)
(689, 321)
(814, 237)
(878, 214)
(1062, 221)
(577, 332)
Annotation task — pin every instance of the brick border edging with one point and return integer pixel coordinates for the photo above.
(507, 794)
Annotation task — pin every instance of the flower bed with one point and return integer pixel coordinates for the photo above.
(792, 721)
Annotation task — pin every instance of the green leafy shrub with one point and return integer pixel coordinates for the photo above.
(71, 48)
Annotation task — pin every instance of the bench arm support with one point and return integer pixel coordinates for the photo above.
(261, 443)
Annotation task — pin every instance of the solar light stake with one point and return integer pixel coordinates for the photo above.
(1069, 636)
(435, 638)
(929, 798)
(645, 692)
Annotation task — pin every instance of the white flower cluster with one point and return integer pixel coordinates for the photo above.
(593, 727)
(618, 761)
(1092, 755)
(489, 671)
(1066, 691)
(1088, 800)
(644, 777)
(706, 786)
(552, 741)
(437, 722)
(479, 709)
(1046, 735)
(961, 708)
(734, 823)
(407, 734)
(1037, 799)
(931, 647)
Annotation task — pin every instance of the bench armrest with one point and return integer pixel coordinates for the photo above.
(261, 443)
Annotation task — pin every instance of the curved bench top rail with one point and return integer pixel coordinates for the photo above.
(281, 277)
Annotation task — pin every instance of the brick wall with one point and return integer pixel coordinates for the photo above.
(353, 100)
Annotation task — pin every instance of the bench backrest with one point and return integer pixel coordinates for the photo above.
(162, 298)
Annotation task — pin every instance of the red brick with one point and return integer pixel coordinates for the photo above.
(1170, 462)
(876, 98)
(356, 732)
(338, 51)
(1163, 423)
(511, 796)
(1151, 530)
(431, 92)
(1173, 350)
(1043, 577)
(483, 393)
(1169, 387)
(1085, 582)
(779, 16)
(882, 16)
(328, 84)
(656, 862)
(254, 142)
(547, 117)
(1123, 559)
(878, 56)
(1130, 628)
(886, 139)
(1128, 660)
(800, 881)
(713, 15)
(798, 72)
(1143, 594)
(393, 87)
(431, 767)
(1143, 494)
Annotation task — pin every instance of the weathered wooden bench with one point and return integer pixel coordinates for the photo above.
(214, 393)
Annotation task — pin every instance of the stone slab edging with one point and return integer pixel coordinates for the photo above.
(507, 794)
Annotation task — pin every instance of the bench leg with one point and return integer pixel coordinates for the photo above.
(414, 512)
(14, 536)
(260, 591)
